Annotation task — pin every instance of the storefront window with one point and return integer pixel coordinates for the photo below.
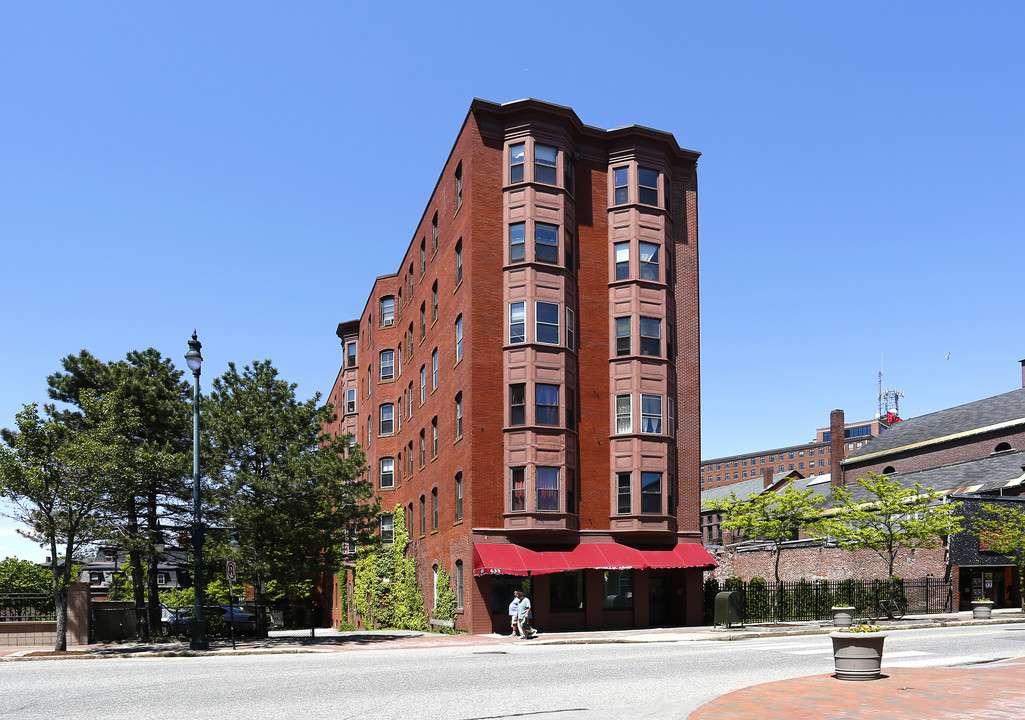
(617, 590)
(567, 592)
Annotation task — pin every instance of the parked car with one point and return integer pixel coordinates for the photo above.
(219, 620)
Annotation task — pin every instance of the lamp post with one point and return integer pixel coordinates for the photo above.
(195, 362)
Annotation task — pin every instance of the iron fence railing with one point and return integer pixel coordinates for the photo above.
(23, 607)
(814, 599)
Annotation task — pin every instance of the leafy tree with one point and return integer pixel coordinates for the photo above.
(291, 491)
(24, 577)
(58, 473)
(1002, 526)
(157, 488)
(889, 517)
(772, 516)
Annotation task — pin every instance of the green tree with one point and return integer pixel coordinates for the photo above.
(24, 577)
(888, 517)
(1002, 527)
(157, 489)
(291, 491)
(58, 473)
(775, 517)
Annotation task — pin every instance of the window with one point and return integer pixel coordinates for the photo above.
(459, 262)
(546, 322)
(518, 489)
(387, 365)
(434, 302)
(387, 426)
(459, 184)
(387, 530)
(571, 490)
(459, 338)
(548, 489)
(544, 164)
(647, 180)
(423, 448)
(423, 516)
(651, 336)
(566, 591)
(546, 243)
(517, 323)
(624, 493)
(516, 153)
(624, 414)
(459, 583)
(350, 402)
(569, 251)
(434, 509)
(571, 330)
(567, 171)
(622, 261)
(671, 408)
(546, 404)
(459, 496)
(350, 355)
(517, 242)
(617, 590)
(423, 321)
(571, 409)
(651, 492)
(387, 474)
(434, 436)
(622, 336)
(434, 233)
(409, 341)
(434, 369)
(423, 256)
(651, 414)
(518, 404)
(387, 311)
(459, 415)
(621, 183)
(423, 384)
(649, 261)
(409, 459)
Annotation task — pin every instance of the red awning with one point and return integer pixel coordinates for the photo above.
(508, 559)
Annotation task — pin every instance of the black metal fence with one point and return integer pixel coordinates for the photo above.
(21, 607)
(814, 599)
(246, 620)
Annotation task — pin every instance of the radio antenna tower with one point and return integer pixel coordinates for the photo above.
(889, 400)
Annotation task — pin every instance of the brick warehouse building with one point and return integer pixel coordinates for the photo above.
(526, 386)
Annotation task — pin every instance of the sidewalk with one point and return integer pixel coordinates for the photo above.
(994, 691)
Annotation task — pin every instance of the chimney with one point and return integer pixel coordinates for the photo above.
(767, 477)
(1022, 361)
(836, 447)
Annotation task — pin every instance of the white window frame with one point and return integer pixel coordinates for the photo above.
(538, 324)
(647, 418)
(350, 402)
(382, 473)
(382, 431)
(387, 366)
(624, 416)
(571, 329)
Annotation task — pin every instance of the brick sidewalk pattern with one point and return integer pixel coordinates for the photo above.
(993, 692)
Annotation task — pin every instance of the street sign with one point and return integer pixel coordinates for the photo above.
(230, 571)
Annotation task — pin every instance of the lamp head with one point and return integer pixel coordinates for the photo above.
(193, 356)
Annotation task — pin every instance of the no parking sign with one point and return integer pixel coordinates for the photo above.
(230, 571)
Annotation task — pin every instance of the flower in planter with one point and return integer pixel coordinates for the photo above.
(859, 629)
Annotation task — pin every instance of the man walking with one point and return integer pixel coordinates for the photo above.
(524, 616)
(514, 616)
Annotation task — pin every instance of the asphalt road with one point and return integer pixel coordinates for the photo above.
(658, 680)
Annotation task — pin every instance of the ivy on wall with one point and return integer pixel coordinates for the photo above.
(385, 591)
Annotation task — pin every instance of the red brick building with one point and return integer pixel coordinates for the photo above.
(526, 385)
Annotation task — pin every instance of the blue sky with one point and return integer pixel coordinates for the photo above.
(246, 169)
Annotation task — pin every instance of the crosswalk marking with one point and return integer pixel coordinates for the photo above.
(933, 661)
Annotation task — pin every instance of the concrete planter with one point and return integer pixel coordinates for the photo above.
(843, 616)
(982, 609)
(857, 656)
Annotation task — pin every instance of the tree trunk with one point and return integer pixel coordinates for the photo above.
(153, 606)
(135, 562)
(60, 595)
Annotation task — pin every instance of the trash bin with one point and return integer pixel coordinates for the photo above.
(729, 608)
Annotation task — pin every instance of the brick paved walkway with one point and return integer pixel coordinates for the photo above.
(980, 692)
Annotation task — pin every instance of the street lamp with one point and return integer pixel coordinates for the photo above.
(195, 362)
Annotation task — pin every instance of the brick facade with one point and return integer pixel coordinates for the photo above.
(528, 210)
